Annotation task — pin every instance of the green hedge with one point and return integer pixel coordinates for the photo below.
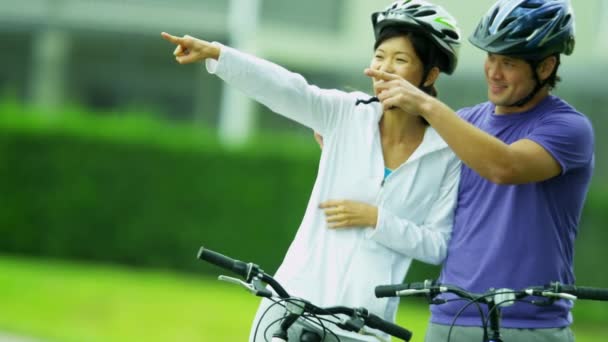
(136, 191)
(140, 192)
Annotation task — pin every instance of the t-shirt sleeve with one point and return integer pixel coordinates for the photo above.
(568, 137)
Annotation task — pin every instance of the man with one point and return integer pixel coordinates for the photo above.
(528, 160)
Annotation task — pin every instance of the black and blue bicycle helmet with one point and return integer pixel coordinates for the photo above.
(528, 29)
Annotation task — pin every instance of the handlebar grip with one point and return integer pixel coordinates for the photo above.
(223, 261)
(391, 290)
(392, 329)
(584, 292)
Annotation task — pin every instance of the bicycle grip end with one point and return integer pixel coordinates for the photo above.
(392, 329)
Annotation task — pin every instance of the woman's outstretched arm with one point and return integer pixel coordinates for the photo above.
(284, 92)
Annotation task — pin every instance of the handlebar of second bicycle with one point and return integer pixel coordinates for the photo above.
(581, 292)
(433, 288)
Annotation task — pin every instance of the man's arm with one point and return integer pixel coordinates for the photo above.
(523, 161)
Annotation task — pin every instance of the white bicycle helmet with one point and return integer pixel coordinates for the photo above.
(426, 18)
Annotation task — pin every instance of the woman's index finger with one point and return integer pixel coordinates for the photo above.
(171, 38)
(381, 75)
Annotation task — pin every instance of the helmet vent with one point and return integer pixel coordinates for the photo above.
(505, 23)
(493, 16)
(521, 34)
(425, 13)
(550, 15)
(531, 4)
(566, 21)
(451, 34)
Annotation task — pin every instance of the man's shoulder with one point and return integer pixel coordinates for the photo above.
(473, 112)
(559, 111)
(556, 104)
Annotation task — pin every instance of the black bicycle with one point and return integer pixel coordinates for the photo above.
(351, 319)
(494, 299)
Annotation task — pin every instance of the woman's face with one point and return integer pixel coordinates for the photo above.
(397, 56)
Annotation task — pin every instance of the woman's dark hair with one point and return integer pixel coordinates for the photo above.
(425, 49)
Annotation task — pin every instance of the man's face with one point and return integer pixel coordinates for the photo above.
(509, 80)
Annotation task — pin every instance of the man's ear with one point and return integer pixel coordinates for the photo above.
(546, 67)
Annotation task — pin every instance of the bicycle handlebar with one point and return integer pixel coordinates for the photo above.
(395, 289)
(247, 270)
(225, 262)
(250, 270)
(371, 320)
(494, 298)
(432, 288)
(392, 329)
(582, 292)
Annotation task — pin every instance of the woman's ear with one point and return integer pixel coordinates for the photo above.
(432, 77)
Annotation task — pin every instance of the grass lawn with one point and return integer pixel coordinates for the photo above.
(67, 302)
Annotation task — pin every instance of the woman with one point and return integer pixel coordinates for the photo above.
(386, 186)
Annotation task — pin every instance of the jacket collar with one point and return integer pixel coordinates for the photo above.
(431, 142)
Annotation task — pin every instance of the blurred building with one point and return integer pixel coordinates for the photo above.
(108, 53)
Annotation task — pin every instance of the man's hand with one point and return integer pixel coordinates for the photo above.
(349, 214)
(191, 50)
(396, 92)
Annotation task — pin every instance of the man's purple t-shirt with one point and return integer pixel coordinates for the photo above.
(515, 236)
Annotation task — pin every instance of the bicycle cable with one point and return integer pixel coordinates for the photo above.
(461, 311)
(304, 316)
(496, 307)
(485, 319)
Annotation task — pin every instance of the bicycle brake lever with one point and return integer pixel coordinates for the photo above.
(236, 281)
(559, 295)
(260, 289)
(256, 290)
(551, 294)
(353, 323)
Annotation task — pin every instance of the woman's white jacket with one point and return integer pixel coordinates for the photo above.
(415, 203)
